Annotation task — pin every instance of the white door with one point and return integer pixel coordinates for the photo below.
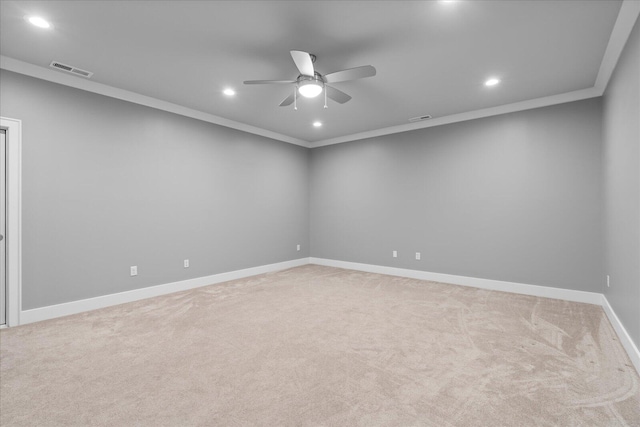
(3, 228)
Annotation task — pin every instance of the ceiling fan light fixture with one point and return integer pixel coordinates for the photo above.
(310, 83)
(309, 88)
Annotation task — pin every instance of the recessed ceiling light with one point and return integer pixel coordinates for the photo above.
(492, 82)
(317, 124)
(229, 92)
(38, 21)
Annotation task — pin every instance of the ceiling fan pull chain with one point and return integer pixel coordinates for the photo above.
(295, 99)
(325, 97)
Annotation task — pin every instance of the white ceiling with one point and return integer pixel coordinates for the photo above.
(431, 57)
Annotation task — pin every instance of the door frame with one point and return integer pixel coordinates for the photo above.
(13, 139)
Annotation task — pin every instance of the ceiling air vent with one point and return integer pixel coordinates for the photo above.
(69, 69)
(419, 119)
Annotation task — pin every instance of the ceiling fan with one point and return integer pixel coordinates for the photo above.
(311, 83)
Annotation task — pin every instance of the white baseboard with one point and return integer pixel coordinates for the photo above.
(498, 285)
(623, 335)
(494, 285)
(74, 307)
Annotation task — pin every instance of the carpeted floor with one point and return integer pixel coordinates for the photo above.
(320, 346)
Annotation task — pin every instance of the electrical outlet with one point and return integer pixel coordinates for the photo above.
(134, 270)
(298, 247)
(418, 256)
(186, 263)
(608, 282)
(395, 254)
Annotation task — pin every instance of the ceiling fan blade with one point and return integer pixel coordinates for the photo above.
(303, 62)
(337, 95)
(288, 100)
(350, 74)
(268, 82)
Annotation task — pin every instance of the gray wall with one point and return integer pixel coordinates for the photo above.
(515, 197)
(108, 184)
(621, 161)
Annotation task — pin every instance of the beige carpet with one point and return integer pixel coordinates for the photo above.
(319, 346)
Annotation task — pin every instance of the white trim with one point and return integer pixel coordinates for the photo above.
(11, 64)
(25, 68)
(3, 232)
(498, 285)
(494, 285)
(74, 307)
(627, 17)
(469, 115)
(623, 335)
(13, 140)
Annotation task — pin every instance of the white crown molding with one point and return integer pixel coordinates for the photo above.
(11, 64)
(17, 66)
(80, 306)
(627, 18)
(469, 115)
